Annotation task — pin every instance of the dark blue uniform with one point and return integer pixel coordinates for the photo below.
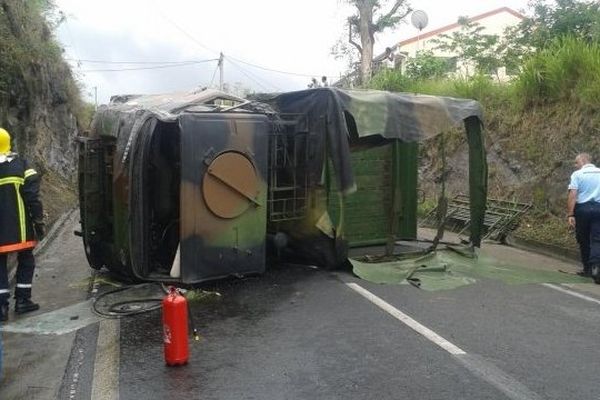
(21, 208)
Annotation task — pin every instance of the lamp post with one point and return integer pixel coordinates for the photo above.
(419, 20)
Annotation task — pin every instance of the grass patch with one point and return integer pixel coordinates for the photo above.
(547, 228)
(568, 70)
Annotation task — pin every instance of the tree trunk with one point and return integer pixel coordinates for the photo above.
(365, 11)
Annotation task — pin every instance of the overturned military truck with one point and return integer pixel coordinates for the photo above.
(225, 184)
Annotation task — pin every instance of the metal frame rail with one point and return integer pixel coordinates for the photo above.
(288, 169)
(501, 216)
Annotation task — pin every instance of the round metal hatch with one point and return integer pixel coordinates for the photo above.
(230, 185)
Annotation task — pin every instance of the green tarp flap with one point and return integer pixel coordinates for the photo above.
(478, 179)
(447, 269)
(352, 116)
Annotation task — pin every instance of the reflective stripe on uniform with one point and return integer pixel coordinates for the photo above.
(9, 248)
(24, 285)
(4, 291)
(15, 180)
(30, 172)
(21, 214)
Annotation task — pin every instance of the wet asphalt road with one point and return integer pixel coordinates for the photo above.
(300, 333)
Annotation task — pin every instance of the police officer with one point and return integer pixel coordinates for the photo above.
(583, 213)
(21, 221)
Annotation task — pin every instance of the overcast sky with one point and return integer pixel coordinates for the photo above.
(294, 37)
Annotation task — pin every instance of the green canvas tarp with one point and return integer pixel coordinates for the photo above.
(345, 118)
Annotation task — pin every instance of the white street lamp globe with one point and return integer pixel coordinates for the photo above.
(419, 19)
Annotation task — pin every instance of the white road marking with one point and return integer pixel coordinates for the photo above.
(477, 365)
(571, 292)
(487, 371)
(408, 321)
(57, 322)
(105, 385)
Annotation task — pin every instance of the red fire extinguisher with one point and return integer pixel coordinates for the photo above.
(175, 328)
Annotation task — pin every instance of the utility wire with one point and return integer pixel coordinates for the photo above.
(279, 71)
(192, 38)
(252, 76)
(137, 62)
(180, 29)
(147, 68)
(76, 51)
(213, 75)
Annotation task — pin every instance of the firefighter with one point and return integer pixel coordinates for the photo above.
(21, 221)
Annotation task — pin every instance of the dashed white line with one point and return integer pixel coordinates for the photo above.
(477, 365)
(571, 293)
(408, 321)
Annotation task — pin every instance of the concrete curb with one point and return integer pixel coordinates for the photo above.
(50, 236)
(54, 230)
(561, 253)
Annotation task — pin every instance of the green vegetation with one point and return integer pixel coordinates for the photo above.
(577, 18)
(478, 87)
(567, 70)
(39, 97)
(30, 58)
(536, 122)
(427, 66)
(473, 47)
(555, 55)
(553, 230)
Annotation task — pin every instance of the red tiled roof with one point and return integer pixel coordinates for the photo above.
(456, 25)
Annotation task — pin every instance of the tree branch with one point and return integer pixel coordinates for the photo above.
(408, 11)
(350, 40)
(389, 19)
(393, 10)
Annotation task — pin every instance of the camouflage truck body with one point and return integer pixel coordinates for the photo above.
(223, 184)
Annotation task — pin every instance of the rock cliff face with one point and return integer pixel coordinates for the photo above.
(39, 98)
(530, 158)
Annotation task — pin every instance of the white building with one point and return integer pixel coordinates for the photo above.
(494, 22)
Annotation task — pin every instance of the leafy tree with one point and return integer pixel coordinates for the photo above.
(472, 46)
(549, 22)
(427, 66)
(580, 19)
(364, 25)
(512, 51)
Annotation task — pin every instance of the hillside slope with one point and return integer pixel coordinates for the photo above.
(542, 142)
(39, 99)
(531, 157)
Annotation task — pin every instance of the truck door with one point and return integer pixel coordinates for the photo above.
(223, 195)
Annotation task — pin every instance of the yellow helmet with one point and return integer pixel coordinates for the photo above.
(4, 141)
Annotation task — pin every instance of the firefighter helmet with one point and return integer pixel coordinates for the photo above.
(4, 141)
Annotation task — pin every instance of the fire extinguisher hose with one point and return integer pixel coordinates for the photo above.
(128, 307)
(135, 306)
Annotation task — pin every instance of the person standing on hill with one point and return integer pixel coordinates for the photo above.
(583, 213)
(21, 222)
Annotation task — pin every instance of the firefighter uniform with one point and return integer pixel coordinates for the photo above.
(20, 213)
